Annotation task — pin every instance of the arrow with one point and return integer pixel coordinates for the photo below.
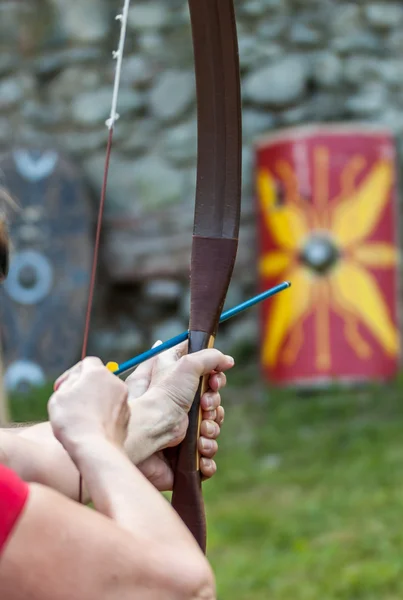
(178, 339)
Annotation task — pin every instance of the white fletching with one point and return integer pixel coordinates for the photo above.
(118, 56)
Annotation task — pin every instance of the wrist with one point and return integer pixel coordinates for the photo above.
(152, 426)
(89, 448)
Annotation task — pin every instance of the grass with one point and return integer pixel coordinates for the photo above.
(308, 502)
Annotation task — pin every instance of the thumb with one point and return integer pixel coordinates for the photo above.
(204, 362)
(139, 381)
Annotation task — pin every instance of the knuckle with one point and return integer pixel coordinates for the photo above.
(213, 448)
(209, 466)
(92, 361)
(190, 362)
(217, 400)
(186, 359)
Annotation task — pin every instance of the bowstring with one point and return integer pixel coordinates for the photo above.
(110, 123)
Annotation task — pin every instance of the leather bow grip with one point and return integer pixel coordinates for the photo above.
(187, 497)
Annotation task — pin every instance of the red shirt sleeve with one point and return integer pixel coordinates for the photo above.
(13, 496)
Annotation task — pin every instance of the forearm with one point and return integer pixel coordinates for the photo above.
(119, 491)
(83, 554)
(34, 453)
(37, 457)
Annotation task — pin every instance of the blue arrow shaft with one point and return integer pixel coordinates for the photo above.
(178, 339)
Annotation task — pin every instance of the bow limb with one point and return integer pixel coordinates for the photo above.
(217, 214)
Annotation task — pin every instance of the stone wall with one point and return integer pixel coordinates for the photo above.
(302, 61)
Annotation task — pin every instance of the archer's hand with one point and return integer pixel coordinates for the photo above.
(88, 403)
(167, 384)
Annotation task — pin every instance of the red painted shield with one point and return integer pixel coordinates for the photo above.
(327, 206)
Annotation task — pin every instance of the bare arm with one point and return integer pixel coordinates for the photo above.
(37, 456)
(134, 547)
(158, 419)
(82, 554)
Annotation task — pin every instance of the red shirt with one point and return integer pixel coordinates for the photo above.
(13, 496)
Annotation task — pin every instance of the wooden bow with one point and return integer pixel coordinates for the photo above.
(217, 215)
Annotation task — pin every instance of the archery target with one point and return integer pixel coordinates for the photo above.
(24, 374)
(43, 301)
(30, 278)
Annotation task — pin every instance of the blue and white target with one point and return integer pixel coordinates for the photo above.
(23, 374)
(34, 165)
(41, 277)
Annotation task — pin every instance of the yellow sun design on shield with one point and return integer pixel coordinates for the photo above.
(324, 249)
